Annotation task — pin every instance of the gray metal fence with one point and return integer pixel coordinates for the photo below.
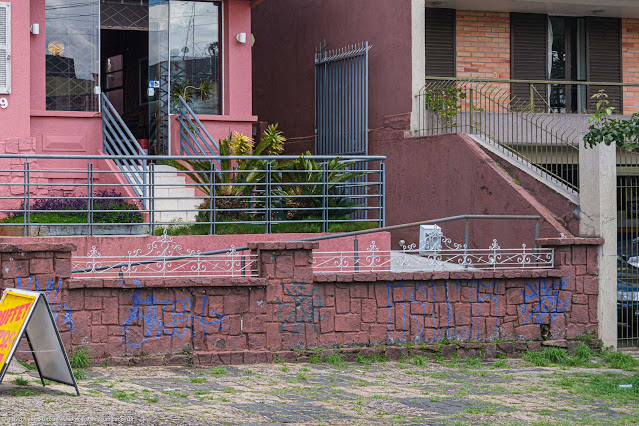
(341, 96)
(78, 195)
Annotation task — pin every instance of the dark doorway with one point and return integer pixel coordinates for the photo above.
(124, 67)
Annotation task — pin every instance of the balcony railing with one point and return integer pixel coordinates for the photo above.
(541, 123)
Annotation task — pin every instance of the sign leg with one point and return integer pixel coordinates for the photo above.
(34, 358)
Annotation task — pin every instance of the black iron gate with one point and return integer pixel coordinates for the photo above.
(627, 249)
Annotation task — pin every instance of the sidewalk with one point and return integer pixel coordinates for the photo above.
(415, 391)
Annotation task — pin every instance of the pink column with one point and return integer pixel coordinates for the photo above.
(14, 120)
(237, 59)
(38, 57)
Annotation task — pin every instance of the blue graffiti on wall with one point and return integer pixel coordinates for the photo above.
(51, 291)
(180, 312)
(542, 302)
(302, 309)
(442, 328)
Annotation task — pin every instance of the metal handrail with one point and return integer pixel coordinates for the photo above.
(327, 237)
(557, 82)
(510, 124)
(193, 132)
(197, 157)
(118, 141)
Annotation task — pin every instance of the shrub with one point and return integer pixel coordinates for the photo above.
(116, 209)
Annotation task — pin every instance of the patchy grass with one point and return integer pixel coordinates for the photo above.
(380, 397)
(620, 360)
(21, 392)
(419, 360)
(472, 362)
(603, 385)
(80, 374)
(583, 356)
(123, 395)
(502, 363)
(218, 371)
(553, 356)
(150, 398)
(80, 358)
(332, 358)
(197, 379)
(301, 376)
(27, 365)
(305, 227)
(178, 394)
(370, 359)
(20, 381)
(487, 411)
(546, 357)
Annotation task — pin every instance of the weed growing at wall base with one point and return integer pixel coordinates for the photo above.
(80, 358)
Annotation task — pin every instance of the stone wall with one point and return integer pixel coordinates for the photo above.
(287, 307)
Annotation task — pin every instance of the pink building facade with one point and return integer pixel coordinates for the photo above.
(62, 55)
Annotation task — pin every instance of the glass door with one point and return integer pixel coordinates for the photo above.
(158, 78)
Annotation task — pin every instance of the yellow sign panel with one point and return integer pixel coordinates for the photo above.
(14, 308)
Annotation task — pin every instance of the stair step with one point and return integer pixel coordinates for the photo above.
(166, 170)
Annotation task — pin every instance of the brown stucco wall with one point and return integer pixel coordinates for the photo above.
(287, 33)
(447, 175)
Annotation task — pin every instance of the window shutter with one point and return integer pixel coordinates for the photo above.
(529, 55)
(440, 42)
(5, 48)
(603, 40)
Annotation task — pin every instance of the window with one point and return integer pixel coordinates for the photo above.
(567, 61)
(5, 48)
(72, 34)
(195, 40)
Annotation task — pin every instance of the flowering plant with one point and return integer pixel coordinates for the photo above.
(109, 207)
(445, 102)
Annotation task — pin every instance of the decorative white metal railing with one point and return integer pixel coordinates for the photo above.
(164, 258)
(436, 252)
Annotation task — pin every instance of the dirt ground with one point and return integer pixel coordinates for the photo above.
(414, 391)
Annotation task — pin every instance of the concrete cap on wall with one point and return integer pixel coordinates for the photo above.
(36, 247)
(571, 241)
(284, 245)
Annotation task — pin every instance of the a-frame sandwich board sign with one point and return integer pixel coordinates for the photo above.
(28, 313)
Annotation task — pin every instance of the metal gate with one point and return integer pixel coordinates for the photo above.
(627, 249)
(341, 114)
(341, 98)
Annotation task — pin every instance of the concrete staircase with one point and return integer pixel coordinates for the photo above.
(174, 201)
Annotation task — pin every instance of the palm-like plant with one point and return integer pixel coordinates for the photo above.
(233, 180)
(300, 187)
